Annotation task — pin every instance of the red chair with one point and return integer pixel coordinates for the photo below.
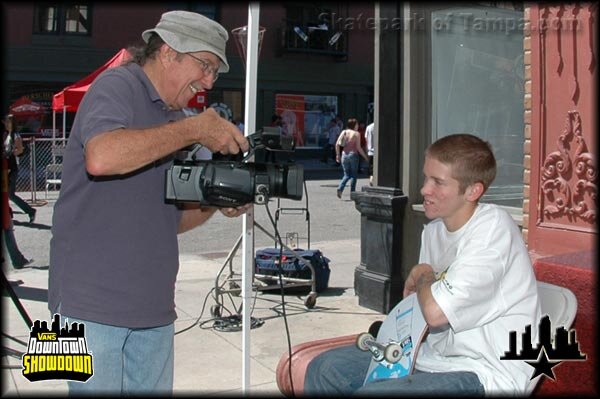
(558, 302)
(302, 355)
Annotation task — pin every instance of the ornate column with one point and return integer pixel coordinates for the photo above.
(378, 281)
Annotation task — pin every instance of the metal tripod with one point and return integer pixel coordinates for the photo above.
(6, 351)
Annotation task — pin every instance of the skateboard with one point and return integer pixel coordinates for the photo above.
(398, 340)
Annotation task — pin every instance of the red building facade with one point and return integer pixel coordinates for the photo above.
(561, 176)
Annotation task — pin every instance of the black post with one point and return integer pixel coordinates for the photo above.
(378, 280)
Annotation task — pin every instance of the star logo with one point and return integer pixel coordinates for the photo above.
(552, 348)
(543, 366)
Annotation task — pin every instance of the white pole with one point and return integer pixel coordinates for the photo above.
(53, 133)
(248, 219)
(53, 126)
(64, 115)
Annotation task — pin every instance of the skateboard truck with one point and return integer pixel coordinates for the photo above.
(392, 352)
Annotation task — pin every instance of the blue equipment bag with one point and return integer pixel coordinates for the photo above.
(292, 267)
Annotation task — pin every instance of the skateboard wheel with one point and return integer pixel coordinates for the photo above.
(361, 341)
(311, 300)
(392, 353)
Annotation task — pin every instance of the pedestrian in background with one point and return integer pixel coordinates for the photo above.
(16, 143)
(9, 242)
(370, 149)
(363, 143)
(347, 150)
(114, 253)
(333, 132)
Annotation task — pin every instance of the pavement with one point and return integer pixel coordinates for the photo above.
(208, 360)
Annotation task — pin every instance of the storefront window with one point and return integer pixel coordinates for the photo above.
(478, 87)
(71, 19)
(305, 117)
(310, 27)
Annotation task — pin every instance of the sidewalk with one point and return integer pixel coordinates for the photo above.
(208, 361)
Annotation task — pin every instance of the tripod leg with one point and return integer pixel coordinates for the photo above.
(6, 351)
(16, 301)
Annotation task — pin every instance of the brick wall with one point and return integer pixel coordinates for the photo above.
(527, 121)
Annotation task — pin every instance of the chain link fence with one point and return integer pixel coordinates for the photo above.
(40, 166)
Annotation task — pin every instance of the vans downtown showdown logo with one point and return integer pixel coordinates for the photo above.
(57, 354)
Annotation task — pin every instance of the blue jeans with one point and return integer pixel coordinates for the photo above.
(127, 361)
(350, 165)
(10, 243)
(20, 202)
(341, 372)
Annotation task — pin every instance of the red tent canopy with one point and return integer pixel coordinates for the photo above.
(71, 95)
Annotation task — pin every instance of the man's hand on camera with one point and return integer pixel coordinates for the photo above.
(218, 134)
(235, 212)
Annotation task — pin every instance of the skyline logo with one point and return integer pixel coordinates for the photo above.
(57, 353)
(549, 352)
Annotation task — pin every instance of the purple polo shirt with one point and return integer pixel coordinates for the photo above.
(113, 254)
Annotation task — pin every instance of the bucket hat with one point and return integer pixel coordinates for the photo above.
(189, 32)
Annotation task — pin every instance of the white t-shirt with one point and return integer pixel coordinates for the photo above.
(486, 287)
(369, 139)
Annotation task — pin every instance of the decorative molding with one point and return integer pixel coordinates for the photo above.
(592, 9)
(574, 79)
(567, 196)
(558, 12)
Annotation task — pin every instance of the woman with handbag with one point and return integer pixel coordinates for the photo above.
(347, 149)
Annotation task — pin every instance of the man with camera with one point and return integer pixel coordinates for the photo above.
(114, 251)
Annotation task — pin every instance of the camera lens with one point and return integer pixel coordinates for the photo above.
(284, 181)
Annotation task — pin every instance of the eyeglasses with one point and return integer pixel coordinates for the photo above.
(206, 67)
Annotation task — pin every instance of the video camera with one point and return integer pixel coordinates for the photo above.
(234, 181)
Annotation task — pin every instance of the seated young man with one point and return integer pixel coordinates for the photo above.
(474, 283)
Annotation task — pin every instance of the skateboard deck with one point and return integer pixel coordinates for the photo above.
(398, 340)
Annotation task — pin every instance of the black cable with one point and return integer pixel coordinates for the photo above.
(204, 306)
(280, 269)
(234, 322)
(201, 313)
(219, 303)
(229, 323)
